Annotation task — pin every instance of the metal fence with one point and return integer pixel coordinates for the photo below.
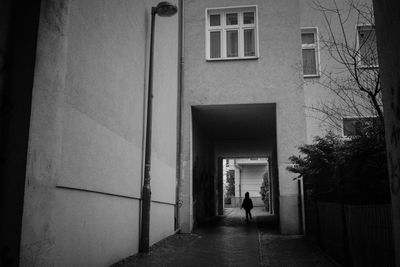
(353, 235)
(370, 235)
(332, 230)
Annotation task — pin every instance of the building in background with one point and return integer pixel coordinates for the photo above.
(248, 177)
(339, 60)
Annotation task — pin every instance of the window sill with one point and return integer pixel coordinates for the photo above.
(232, 59)
(311, 76)
(366, 67)
(348, 137)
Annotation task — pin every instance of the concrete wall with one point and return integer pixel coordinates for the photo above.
(273, 78)
(83, 184)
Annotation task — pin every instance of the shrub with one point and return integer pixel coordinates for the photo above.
(352, 171)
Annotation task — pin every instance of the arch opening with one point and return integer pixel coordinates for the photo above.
(242, 136)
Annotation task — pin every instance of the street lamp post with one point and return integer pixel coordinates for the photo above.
(163, 9)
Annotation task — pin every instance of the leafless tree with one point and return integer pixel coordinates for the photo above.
(355, 80)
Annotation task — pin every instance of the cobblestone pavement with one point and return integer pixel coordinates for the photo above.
(231, 241)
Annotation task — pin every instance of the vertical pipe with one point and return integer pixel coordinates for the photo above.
(179, 116)
(146, 190)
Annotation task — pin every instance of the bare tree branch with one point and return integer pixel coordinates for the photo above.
(356, 82)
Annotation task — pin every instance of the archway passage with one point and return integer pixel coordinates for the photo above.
(239, 131)
(247, 175)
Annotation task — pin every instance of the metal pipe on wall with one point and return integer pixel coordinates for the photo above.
(179, 115)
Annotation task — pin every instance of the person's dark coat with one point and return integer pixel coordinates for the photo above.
(247, 203)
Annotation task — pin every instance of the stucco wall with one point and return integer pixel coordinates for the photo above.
(273, 78)
(84, 171)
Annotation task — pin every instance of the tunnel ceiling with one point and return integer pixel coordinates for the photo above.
(242, 121)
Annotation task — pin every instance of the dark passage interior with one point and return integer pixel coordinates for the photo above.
(18, 37)
(241, 131)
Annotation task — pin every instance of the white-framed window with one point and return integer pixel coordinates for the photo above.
(231, 33)
(310, 51)
(366, 46)
(355, 126)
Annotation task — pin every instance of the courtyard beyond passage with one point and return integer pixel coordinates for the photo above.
(230, 241)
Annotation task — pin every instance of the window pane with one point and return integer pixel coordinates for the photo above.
(349, 127)
(353, 126)
(248, 18)
(358, 126)
(367, 47)
(231, 43)
(215, 44)
(309, 62)
(215, 20)
(231, 19)
(249, 43)
(307, 38)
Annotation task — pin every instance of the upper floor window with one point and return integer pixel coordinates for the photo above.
(356, 126)
(231, 33)
(310, 52)
(367, 51)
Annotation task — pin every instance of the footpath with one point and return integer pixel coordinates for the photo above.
(231, 241)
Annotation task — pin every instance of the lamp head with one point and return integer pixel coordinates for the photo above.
(165, 9)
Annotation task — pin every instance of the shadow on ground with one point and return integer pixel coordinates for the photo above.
(231, 241)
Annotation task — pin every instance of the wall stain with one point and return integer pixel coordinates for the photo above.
(54, 15)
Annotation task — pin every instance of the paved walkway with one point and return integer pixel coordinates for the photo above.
(230, 241)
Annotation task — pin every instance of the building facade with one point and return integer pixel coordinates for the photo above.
(256, 74)
(247, 70)
(243, 97)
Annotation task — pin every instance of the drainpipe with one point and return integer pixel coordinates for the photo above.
(179, 117)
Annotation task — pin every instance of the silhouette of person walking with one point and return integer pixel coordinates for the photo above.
(247, 205)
